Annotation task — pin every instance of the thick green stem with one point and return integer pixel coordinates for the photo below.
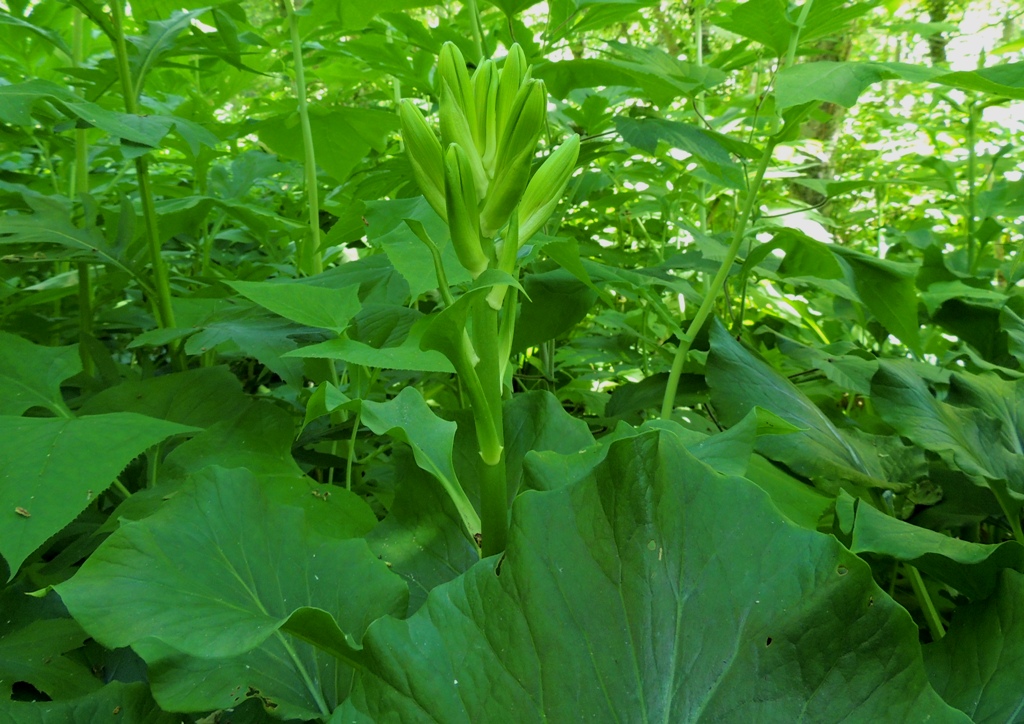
(924, 599)
(488, 417)
(668, 402)
(310, 258)
(161, 281)
(493, 509)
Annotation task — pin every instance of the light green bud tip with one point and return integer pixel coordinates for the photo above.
(424, 151)
(463, 218)
(546, 188)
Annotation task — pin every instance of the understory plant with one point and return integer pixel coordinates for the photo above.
(479, 181)
(471, 363)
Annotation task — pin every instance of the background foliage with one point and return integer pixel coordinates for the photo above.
(764, 421)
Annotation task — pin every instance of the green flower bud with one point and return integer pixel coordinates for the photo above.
(546, 188)
(463, 218)
(485, 89)
(515, 156)
(451, 69)
(514, 73)
(456, 128)
(424, 151)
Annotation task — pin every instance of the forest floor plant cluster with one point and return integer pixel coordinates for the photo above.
(378, 362)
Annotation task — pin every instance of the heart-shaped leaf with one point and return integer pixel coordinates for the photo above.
(628, 596)
(51, 470)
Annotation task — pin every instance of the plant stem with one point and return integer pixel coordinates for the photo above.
(973, 254)
(493, 485)
(351, 450)
(794, 41)
(924, 599)
(478, 35)
(698, 104)
(80, 187)
(668, 402)
(310, 259)
(1006, 503)
(161, 282)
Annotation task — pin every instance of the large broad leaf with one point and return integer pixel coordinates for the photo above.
(661, 76)
(304, 303)
(49, 227)
(200, 397)
(408, 418)
(740, 381)
(1013, 326)
(887, 289)
(971, 568)
(763, 21)
(258, 438)
(801, 503)
(387, 230)
(158, 41)
(115, 702)
(254, 335)
(30, 375)
(341, 136)
(843, 82)
(223, 570)
(536, 421)
(276, 677)
(405, 356)
(971, 439)
(556, 302)
(977, 667)
(34, 654)
(805, 257)
(629, 596)
(998, 398)
(16, 102)
(839, 82)
(844, 363)
(231, 327)
(729, 453)
(644, 133)
(50, 470)
(423, 538)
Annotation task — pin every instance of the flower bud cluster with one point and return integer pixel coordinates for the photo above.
(478, 174)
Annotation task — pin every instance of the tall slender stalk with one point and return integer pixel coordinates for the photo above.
(972, 251)
(924, 599)
(80, 187)
(668, 402)
(794, 40)
(714, 289)
(698, 104)
(1010, 510)
(310, 258)
(161, 281)
(478, 34)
